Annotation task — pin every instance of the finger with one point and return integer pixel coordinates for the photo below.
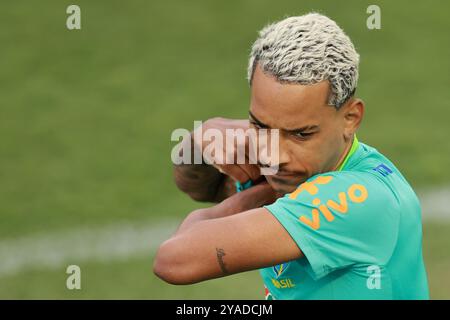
(235, 172)
(252, 170)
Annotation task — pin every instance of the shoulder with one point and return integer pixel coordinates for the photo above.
(355, 186)
(342, 215)
(342, 200)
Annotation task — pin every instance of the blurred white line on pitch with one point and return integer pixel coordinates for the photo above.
(435, 204)
(57, 249)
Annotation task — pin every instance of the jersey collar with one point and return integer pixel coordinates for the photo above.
(354, 147)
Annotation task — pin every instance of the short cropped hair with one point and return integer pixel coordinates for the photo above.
(306, 50)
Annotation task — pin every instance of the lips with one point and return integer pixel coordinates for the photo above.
(288, 180)
(288, 174)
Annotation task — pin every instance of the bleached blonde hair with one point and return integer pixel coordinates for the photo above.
(306, 50)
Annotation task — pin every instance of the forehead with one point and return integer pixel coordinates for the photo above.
(287, 105)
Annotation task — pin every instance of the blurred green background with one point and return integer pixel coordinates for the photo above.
(86, 118)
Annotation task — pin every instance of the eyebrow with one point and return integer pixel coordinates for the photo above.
(304, 128)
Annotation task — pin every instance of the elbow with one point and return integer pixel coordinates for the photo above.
(194, 187)
(169, 266)
(201, 197)
(196, 195)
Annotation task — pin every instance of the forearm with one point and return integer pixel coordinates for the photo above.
(212, 183)
(251, 198)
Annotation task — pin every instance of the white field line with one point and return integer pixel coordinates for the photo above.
(60, 249)
(124, 240)
(435, 204)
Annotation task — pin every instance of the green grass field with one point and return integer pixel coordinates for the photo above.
(86, 118)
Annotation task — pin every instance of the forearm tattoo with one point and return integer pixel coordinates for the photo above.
(220, 254)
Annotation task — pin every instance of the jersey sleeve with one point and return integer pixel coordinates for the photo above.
(340, 219)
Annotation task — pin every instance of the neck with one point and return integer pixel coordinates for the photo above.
(344, 154)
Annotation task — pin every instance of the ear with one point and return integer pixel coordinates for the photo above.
(353, 113)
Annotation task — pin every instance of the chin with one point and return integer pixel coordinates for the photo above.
(283, 188)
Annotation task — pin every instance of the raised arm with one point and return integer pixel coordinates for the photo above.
(213, 183)
(217, 242)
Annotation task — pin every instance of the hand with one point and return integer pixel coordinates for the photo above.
(251, 198)
(238, 172)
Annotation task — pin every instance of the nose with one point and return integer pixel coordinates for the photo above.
(276, 157)
(284, 154)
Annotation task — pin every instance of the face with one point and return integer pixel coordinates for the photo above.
(314, 137)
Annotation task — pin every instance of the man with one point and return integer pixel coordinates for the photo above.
(348, 225)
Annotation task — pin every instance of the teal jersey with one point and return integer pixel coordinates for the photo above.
(360, 231)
